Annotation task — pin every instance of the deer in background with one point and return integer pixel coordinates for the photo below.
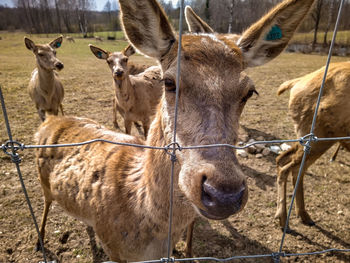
(136, 96)
(45, 88)
(70, 39)
(333, 120)
(121, 191)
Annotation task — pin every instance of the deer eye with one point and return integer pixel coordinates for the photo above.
(170, 85)
(249, 94)
(41, 54)
(125, 60)
(54, 52)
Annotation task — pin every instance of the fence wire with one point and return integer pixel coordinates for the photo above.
(12, 147)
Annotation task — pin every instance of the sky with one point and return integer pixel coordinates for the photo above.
(99, 3)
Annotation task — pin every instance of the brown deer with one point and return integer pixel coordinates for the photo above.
(121, 191)
(45, 88)
(98, 39)
(70, 39)
(332, 121)
(136, 96)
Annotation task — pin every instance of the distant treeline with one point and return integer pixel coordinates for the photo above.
(58, 16)
(66, 16)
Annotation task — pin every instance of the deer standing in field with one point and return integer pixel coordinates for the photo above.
(333, 120)
(121, 191)
(45, 88)
(70, 39)
(136, 96)
(98, 39)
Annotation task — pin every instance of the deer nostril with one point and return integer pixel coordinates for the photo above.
(59, 66)
(119, 73)
(206, 196)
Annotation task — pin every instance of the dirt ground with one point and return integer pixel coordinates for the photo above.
(88, 93)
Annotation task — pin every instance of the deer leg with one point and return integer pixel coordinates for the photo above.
(334, 156)
(299, 199)
(281, 212)
(43, 223)
(145, 125)
(61, 108)
(115, 121)
(317, 149)
(127, 124)
(285, 163)
(189, 236)
(41, 113)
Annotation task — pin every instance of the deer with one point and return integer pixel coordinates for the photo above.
(98, 39)
(70, 39)
(122, 192)
(332, 121)
(136, 96)
(45, 88)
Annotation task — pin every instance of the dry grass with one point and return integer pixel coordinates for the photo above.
(88, 88)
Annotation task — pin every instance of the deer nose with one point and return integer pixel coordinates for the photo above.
(119, 72)
(59, 65)
(221, 203)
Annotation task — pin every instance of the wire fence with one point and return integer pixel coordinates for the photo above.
(12, 147)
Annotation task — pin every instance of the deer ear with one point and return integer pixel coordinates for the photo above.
(268, 37)
(195, 23)
(99, 52)
(147, 27)
(129, 50)
(57, 42)
(29, 44)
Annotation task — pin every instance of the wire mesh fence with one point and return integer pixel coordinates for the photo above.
(12, 148)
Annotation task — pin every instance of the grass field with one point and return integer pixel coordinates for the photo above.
(88, 93)
(343, 37)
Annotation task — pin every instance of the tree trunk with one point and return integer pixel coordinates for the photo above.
(317, 16)
(330, 18)
(231, 17)
(58, 17)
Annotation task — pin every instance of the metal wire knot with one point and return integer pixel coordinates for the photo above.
(276, 256)
(306, 140)
(171, 148)
(10, 148)
(167, 260)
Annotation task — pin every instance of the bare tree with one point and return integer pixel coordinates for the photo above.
(316, 15)
(58, 17)
(231, 16)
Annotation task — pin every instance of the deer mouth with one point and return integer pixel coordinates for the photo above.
(211, 216)
(121, 77)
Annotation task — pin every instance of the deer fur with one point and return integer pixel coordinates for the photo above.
(123, 192)
(333, 120)
(136, 96)
(45, 88)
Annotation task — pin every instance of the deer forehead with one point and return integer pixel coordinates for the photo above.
(209, 64)
(116, 57)
(44, 48)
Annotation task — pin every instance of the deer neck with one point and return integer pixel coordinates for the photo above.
(156, 185)
(46, 79)
(124, 90)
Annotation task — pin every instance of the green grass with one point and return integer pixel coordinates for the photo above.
(343, 37)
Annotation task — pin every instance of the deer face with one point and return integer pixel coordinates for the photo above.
(211, 100)
(213, 90)
(46, 54)
(117, 61)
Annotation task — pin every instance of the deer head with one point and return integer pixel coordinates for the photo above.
(46, 54)
(213, 90)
